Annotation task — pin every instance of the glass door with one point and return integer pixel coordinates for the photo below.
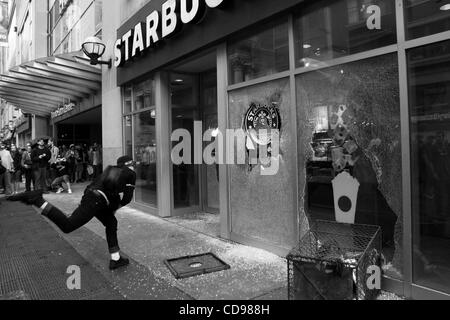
(429, 96)
(184, 112)
(210, 173)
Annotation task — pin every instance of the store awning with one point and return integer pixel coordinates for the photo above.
(41, 86)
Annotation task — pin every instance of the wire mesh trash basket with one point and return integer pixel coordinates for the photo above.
(332, 261)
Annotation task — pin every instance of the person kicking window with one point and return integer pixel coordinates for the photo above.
(101, 200)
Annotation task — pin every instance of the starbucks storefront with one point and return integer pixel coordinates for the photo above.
(361, 88)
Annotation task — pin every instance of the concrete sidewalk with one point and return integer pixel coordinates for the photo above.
(34, 261)
(149, 240)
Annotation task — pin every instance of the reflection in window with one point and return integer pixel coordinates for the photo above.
(128, 132)
(184, 104)
(353, 128)
(429, 80)
(144, 96)
(343, 28)
(140, 138)
(68, 29)
(263, 54)
(127, 91)
(210, 121)
(145, 156)
(426, 17)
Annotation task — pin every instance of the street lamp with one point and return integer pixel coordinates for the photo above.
(94, 49)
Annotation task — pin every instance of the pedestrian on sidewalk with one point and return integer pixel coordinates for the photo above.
(40, 157)
(27, 166)
(70, 157)
(8, 163)
(16, 176)
(101, 200)
(79, 159)
(62, 175)
(52, 174)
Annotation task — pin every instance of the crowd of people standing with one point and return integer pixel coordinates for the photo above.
(45, 166)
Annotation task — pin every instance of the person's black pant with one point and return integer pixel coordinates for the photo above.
(92, 205)
(29, 177)
(52, 174)
(40, 178)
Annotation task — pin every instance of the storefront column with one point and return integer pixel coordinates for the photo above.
(111, 93)
(164, 162)
(222, 105)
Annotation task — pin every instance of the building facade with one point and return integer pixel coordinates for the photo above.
(46, 77)
(361, 86)
(69, 24)
(26, 41)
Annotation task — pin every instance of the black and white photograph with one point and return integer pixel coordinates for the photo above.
(225, 155)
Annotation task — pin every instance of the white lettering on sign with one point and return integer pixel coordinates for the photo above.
(169, 18)
(138, 39)
(126, 40)
(194, 14)
(63, 110)
(161, 25)
(118, 53)
(152, 28)
(214, 3)
(374, 21)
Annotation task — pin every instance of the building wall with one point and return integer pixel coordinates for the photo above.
(40, 127)
(80, 20)
(12, 40)
(117, 12)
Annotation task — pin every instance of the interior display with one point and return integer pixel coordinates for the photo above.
(345, 189)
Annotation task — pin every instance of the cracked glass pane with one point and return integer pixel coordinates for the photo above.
(263, 207)
(350, 148)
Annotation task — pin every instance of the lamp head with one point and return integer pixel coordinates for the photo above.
(93, 48)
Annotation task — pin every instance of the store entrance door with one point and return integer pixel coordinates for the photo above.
(193, 97)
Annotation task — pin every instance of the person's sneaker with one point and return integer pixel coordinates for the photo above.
(60, 190)
(70, 191)
(122, 262)
(30, 198)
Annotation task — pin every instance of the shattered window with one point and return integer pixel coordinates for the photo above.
(349, 131)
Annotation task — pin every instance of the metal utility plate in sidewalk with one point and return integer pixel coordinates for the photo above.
(191, 266)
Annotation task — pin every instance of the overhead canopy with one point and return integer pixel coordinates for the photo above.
(41, 86)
